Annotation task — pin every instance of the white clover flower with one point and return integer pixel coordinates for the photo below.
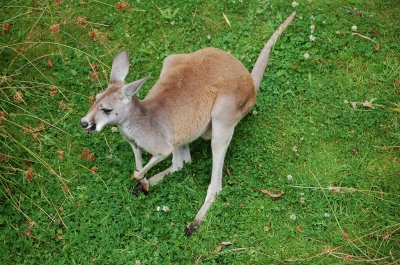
(294, 148)
(312, 38)
(289, 177)
(346, 101)
(302, 139)
(312, 27)
(302, 194)
(254, 112)
(158, 208)
(354, 28)
(326, 215)
(302, 200)
(294, 4)
(138, 261)
(165, 208)
(293, 217)
(114, 129)
(337, 32)
(310, 1)
(208, 37)
(312, 17)
(307, 56)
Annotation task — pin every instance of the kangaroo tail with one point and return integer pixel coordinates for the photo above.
(259, 67)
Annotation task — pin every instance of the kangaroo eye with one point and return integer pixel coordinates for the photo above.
(106, 111)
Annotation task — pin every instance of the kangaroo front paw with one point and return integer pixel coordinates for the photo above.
(136, 175)
(190, 229)
(139, 189)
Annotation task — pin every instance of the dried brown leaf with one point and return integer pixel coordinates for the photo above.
(385, 236)
(299, 229)
(53, 91)
(367, 104)
(29, 175)
(347, 258)
(2, 115)
(80, 21)
(122, 6)
(272, 195)
(218, 249)
(55, 29)
(18, 96)
(6, 27)
(94, 169)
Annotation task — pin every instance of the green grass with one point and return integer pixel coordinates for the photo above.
(56, 208)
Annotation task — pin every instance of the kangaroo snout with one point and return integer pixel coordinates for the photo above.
(84, 124)
(87, 126)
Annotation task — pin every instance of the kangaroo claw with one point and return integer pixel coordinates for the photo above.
(139, 189)
(190, 229)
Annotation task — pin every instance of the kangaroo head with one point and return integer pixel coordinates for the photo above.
(112, 106)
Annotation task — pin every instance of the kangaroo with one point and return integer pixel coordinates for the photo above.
(202, 94)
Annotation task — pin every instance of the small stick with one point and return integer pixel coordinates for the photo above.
(364, 37)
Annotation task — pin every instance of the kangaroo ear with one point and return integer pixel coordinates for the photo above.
(132, 88)
(120, 67)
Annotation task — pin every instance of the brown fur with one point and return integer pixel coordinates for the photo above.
(192, 86)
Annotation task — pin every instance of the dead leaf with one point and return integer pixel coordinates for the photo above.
(299, 229)
(50, 63)
(354, 104)
(61, 237)
(218, 249)
(226, 19)
(385, 236)
(377, 47)
(345, 235)
(228, 171)
(367, 104)
(272, 195)
(347, 258)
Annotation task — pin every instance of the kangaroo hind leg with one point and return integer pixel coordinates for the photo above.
(220, 139)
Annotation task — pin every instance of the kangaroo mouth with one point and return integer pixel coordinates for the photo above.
(89, 127)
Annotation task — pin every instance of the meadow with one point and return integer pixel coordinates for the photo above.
(312, 175)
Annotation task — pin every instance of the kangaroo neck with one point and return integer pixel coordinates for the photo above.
(145, 127)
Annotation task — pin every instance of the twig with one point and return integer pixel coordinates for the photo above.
(364, 37)
(141, 238)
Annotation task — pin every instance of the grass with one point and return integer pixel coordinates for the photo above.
(66, 195)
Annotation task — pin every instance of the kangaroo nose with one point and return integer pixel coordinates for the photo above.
(84, 124)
